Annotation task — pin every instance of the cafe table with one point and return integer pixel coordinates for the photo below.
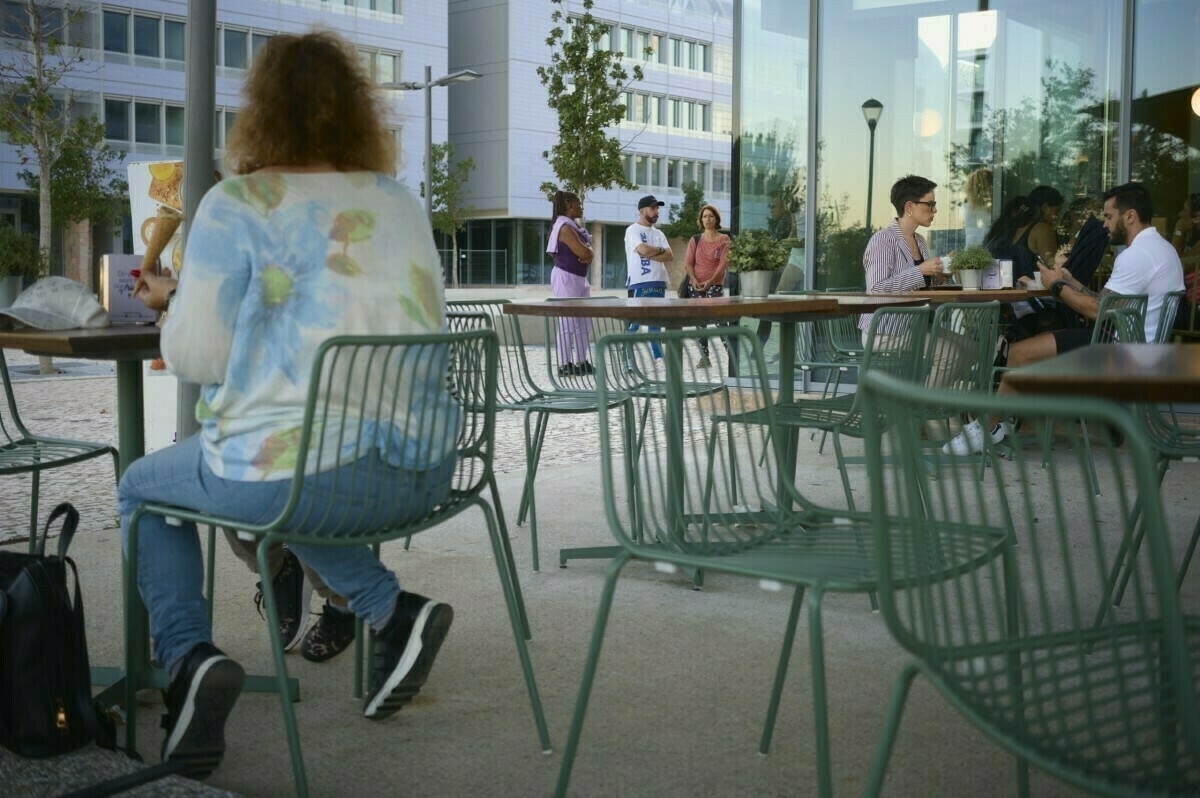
(1121, 372)
(669, 312)
(128, 346)
(939, 296)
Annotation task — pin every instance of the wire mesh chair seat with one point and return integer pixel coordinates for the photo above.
(536, 400)
(896, 345)
(386, 376)
(24, 452)
(1110, 707)
(696, 499)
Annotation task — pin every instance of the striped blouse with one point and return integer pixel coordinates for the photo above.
(889, 266)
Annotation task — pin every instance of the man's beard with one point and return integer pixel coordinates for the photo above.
(1118, 235)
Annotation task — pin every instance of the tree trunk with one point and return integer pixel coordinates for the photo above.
(454, 264)
(45, 232)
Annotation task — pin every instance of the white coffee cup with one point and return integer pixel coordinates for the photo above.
(1035, 282)
(946, 264)
(1006, 278)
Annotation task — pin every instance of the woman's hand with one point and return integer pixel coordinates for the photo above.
(931, 267)
(154, 290)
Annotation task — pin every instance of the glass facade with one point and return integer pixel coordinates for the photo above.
(1024, 92)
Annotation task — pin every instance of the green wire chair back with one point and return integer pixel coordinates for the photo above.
(1102, 333)
(515, 381)
(693, 487)
(1166, 318)
(1011, 642)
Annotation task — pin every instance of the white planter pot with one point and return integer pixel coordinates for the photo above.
(756, 285)
(969, 279)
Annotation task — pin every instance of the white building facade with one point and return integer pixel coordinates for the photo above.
(678, 124)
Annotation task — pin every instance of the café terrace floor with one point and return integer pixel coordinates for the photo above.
(684, 677)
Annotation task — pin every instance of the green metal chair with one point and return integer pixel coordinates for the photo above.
(379, 368)
(896, 345)
(23, 452)
(1007, 639)
(1171, 441)
(701, 503)
(535, 399)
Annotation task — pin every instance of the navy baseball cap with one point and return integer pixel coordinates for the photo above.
(649, 201)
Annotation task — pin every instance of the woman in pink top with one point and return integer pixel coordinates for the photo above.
(707, 261)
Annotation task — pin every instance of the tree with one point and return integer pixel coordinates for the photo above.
(585, 82)
(35, 102)
(681, 219)
(82, 181)
(450, 208)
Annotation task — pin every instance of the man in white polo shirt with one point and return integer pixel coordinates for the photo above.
(646, 254)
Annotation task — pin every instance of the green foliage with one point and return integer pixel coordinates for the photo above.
(584, 83)
(36, 101)
(972, 258)
(450, 208)
(82, 180)
(756, 250)
(18, 253)
(682, 219)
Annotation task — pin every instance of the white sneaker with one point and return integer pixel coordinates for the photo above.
(1002, 430)
(969, 441)
(659, 366)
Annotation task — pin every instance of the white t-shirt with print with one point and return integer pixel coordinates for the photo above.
(643, 270)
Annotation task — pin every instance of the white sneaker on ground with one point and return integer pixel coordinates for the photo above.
(969, 441)
(659, 366)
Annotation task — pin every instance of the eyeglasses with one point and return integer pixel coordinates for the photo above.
(932, 205)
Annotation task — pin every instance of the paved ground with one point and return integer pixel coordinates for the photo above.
(684, 678)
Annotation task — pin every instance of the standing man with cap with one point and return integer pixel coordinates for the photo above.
(646, 254)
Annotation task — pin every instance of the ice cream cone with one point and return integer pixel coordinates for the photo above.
(165, 224)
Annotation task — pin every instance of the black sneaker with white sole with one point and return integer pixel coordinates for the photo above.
(404, 653)
(329, 636)
(199, 701)
(292, 596)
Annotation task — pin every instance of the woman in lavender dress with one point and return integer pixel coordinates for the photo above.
(571, 247)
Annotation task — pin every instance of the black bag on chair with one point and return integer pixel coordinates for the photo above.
(46, 705)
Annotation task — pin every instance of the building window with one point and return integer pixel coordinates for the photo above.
(627, 42)
(382, 67)
(641, 165)
(145, 36)
(174, 126)
(673, 173)
(257, 42)
(116, 31)
(704, 64)
(676, 113)
(628, 105)
(676, 52)
(235, 48)
(702, 175)
(116, 119)
(147, 126)
(174, 39)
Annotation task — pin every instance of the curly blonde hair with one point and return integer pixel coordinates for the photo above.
(979, 188)
(309, 101)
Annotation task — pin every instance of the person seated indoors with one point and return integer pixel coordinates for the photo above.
(1148, 265)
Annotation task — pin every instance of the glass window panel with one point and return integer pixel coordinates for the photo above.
(174, 39)
(702, 174)
(627, 42)
(658, 42)
(146, 124)
(640, 164)
(673, 173)
(676, 52)
(645, 50)
(387, 68)
(628, 106)
(257, 42)
(703, 55)
(676, 113)
(1165, 142)
(685, 172)
(116, 119)
(145, 36)
(230, 118)
(116, 30)
(690, 108)
(692, 61)
(236, 55)
(650, 116)
(174, 128)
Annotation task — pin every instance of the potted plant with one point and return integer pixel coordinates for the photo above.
(755, 256)
(18, 259)
(969, 263)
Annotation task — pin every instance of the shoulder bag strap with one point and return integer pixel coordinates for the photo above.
(68, 529)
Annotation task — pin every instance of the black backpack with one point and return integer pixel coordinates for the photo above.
(46, 705)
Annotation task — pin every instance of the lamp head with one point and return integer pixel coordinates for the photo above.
(872, 109)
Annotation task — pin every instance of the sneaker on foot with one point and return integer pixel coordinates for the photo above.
(1002, 430)
(329, 636)
(404, 653)
(659, 366)
(566, 370)
(704, 363)
(292, 593)
(585, 368)
(969, 441)
(199, 700)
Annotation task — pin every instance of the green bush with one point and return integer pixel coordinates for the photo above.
(18, 253)
(972, 258)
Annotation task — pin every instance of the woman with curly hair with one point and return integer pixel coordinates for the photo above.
(313, 238)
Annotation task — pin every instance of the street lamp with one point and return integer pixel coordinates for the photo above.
(872, 110)
(458, 76)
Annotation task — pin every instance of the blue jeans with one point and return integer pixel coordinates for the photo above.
(657, 292)
(170, 569)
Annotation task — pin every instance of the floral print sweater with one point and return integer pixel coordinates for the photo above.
(275, 264)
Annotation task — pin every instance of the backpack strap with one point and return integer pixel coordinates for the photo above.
(68, 529)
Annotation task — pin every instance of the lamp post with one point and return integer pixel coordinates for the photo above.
(458, 76)
(872, 110)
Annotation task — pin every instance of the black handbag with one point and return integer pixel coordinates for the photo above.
(46, 705)
(685, 286)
